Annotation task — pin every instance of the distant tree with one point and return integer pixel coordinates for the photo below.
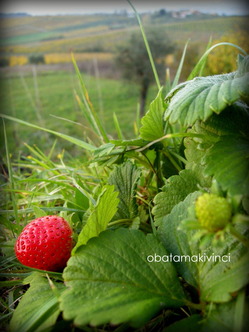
(36, 59)
(134, 62)
(162, 12)
(4, 62)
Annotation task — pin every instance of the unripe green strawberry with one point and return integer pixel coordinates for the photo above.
(213, 212)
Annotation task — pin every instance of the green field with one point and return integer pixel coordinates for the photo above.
(52, 94)
(81, 33)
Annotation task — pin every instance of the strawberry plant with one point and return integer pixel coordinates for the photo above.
(152, 251)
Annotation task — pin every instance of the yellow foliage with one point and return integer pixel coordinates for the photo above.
(64, 45)
(18, 60)
(169, 59)
(54, 58)
(223, 59)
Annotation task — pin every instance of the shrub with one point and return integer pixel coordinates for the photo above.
(4, 62)
(36, 59)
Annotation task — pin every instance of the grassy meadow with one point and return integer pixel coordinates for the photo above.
(48, 99)
(45, 94)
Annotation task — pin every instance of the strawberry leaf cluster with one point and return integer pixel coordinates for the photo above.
(189, 163)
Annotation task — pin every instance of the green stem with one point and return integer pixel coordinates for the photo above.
(183, 160)
(120, 221)
(144, 201)
(149, 162)
(146, 45)
(143, 226)
(145, 163)
(196, 306)
(168, 136)
(172, 160)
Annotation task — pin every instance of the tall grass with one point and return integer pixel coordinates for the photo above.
(57, 92)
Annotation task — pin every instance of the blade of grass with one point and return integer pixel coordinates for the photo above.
(90, 128)
(117, 126)
(55, 209)
(87, 113)
(100, 98)
(11, 181)
(67, 120)
(167, 81)
(42, 314)
(138, 119)
(10, 283)
(147, 46)
(47, 163)
(197, 69)
(94, 116)
(137, 122)
(52, 149)
(179, 69)
(205, 61)
(57, 183)
(71, 139)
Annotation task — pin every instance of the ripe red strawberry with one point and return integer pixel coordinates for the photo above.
(45, 244)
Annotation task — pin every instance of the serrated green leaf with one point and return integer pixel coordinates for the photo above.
(38, 308)
(125, 178)
(176, 241)
(202, 96)
(195, 149)
(218, 280)
(222, 150)
(102, 213)
(176, 190)
(110, 280)
(215, 279)
(228, 161)
(243, 65)
(152, 122)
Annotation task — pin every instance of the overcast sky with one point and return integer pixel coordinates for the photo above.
(52, 7)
